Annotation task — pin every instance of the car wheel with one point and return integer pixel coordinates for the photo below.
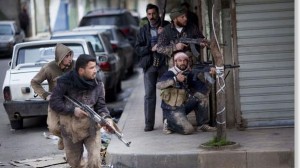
(111, 94)
(130, 70)
(119, 86)
(16, 124)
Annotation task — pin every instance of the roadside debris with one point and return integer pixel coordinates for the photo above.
(42, 162)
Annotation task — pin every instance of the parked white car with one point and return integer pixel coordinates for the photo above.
(20, 101)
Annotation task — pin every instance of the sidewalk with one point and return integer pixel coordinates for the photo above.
(259, 148)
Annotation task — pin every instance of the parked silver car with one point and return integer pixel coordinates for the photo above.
(109, 61)
(122, 18)
(10, 34)
(20, 100)
(120, 44)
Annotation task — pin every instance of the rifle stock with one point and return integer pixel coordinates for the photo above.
(97, 118)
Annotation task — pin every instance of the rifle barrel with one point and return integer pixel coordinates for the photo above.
(96, 117)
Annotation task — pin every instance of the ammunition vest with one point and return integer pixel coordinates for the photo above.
(173, 96)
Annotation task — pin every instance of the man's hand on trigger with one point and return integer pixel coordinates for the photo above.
(180, 77)
(80, 113)
(205, 43)
(212, 71)
(111, 123)
(202, 44)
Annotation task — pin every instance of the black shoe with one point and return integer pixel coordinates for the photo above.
(148, 128)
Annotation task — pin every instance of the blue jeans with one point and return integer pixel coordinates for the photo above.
(177, 116)
(151, 76)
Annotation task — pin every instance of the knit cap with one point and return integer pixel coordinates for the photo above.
(181, 55)
(177, 12)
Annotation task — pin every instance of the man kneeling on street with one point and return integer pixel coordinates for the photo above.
(181, 93)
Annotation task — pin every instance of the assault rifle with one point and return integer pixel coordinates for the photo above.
(97, 118)
(192, 42)
(187, 40)
(205, 68)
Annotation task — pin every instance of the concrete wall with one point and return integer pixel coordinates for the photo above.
(9, 10)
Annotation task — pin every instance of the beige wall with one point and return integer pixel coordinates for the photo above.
(10, 9)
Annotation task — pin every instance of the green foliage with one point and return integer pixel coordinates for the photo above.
(217, 143)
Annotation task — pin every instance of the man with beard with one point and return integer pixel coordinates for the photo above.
(77, 129)
(181, 94)
(50, 72)
(168, 39)
(153, 63)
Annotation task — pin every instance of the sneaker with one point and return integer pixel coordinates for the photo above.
(206, 128)
(166, 130)
(60, 144)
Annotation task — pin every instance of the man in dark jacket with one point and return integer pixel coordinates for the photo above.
(24, 20)
(182, 93)
(153, 64)
(76, 127)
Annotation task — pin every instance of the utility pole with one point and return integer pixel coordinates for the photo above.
(219, 62)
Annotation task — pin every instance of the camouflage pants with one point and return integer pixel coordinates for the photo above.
(74, 151)
(177, 116)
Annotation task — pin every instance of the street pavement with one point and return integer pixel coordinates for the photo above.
(258, 148)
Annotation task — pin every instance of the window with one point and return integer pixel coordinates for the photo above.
(43, 54)
(5, 30)
(94, 39)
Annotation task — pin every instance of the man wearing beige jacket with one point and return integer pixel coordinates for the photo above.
(63, 63)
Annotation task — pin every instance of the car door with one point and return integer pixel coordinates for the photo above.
(124, 47)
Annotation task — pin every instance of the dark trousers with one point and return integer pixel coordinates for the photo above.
(151, 76)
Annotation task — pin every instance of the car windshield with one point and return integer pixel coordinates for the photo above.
(103, 20)
(5, 30)
(94, 39)
(108, 32)
(43, 53)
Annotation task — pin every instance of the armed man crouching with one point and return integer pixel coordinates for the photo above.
(181, 93)
(77, 129)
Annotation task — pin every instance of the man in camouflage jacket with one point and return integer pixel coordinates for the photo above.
(168, 41)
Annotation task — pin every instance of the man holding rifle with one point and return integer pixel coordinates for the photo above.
(169, 39)
(181, 94)
(153, 63)
(187, 38)
(76, 127)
